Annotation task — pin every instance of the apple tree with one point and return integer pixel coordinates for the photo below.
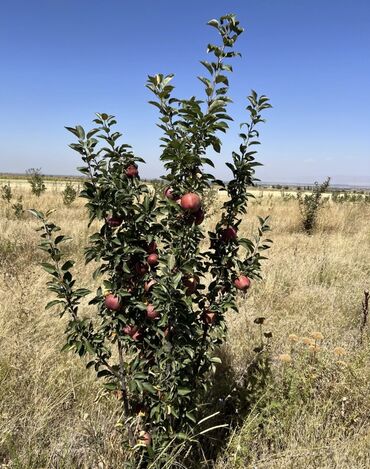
(166, 282)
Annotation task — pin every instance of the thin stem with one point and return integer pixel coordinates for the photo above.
(126, 404)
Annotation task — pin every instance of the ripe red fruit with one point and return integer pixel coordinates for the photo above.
(129, 330)
(145, 438)
(242, 283)
(209, 317)
(148, 285)
(132, 331)
(191, 284)
(168, 192)
(132, 171)
(229, 234)
(152, 259)
(152, 247)
(191, 202)
(114, 221)
(112, 302)
(199, 217)
(151, 313)
(136, 335)
(141, 269)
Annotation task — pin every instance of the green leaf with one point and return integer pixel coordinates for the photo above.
(49, 268)
(216, 360)
(213, 23)
(36, 213)
(148, 387)
(67, 265)
(67, 347)
(191, 417)
(80, 292)
(171, 262)
(207, 65)
(61, 238)
(80, 132)
(72, 130)
(183, 391)
(89, 347)
(102, 373)
(54, 303)
(111, 386)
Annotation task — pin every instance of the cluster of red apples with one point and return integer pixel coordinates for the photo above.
(192, 208)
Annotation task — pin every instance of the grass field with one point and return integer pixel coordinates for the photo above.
(313, 411)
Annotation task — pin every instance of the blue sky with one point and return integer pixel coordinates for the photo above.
(61, 61)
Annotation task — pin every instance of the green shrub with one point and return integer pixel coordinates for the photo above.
(18, 208)
(159, 320)
(69, 194)
(310, 204)
(36, 180)
(6, 193)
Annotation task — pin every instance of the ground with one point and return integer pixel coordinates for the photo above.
(312, 411)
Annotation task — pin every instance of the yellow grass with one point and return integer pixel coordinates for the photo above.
(314, 410)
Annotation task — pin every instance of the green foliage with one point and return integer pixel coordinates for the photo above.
(6, 193)
(310, 204)
(69, 194)
(339, 198)
(36, 180)
(18, 207)
(161, 367)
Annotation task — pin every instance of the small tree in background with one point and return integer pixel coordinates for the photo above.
(310, 204)
(36, 180)
(6, 193)
(159, 319)
(18, 208)
(69, 194)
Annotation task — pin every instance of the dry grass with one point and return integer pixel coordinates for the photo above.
(314, 412)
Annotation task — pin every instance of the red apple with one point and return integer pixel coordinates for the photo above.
(112, 302)
(129, 330)
(152, 259)
(132, 171)
(132, 331)
(136, 335)
(191, 202)
(145, 438)
(229, 234)
(209, 317)
(113, 222)
(168, 192)
(141, 269)
(148, 285)
(242, 283)
(151, 313)
(152, 247)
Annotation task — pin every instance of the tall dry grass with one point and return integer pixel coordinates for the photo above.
(314, 409)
